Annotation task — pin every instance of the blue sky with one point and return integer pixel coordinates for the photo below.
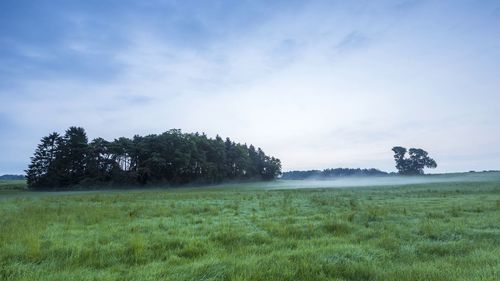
(318, 84)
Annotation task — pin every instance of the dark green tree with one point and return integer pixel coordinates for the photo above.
(99, 162)
(124, 169)
(42, 171)
(271, 169)
(216, 159)
(172, 157)
(414, 164)
(72, 162)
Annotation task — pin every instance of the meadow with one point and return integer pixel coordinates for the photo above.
(446, 230)
(12, 185)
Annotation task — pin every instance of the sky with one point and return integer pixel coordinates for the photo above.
(318, 84)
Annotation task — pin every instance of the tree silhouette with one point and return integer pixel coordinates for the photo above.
(43, 168)
(414, 164)
(172, 157)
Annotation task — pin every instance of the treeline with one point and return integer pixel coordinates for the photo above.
(331, 173)
(12, 177)
(172, 157)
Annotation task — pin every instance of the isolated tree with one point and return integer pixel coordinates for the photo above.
(399, 157)
(414, 164)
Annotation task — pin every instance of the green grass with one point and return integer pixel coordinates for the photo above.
(440, 231)
(12, 185)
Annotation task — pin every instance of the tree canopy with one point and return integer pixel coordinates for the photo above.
(331, 173)
(414, 164)
(172, 157)
(12, 177)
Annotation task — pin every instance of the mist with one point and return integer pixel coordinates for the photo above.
(391, 180)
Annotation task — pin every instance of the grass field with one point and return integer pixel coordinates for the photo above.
(12, 185)
(433, 231)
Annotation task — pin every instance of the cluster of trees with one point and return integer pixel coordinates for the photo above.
(172, 157)
(12, 177)
(331, 173)
(414, 163)
(408, 162)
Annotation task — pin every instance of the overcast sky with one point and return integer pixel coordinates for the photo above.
(318, 84)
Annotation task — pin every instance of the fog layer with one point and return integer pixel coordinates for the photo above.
(382, 181)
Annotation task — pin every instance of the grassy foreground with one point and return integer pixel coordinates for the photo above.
(12, 185)
(440, 231)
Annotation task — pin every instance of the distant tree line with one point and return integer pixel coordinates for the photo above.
(331, 173)
(12, 177)
(172, 157)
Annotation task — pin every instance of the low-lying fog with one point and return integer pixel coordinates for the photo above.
(381, 181)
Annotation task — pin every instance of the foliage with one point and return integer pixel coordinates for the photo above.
(172, 157)
(44, 169)
(12, 177)
(331, 173)
(433, 232)
(414, 164)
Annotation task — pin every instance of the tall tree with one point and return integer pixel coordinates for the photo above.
(414, 164)
(42, 171)
(74, 149)
(99, 163)
(271, 169)
(172, 157)
(402, 164)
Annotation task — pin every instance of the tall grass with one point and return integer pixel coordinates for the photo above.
(12, 185)
(442, 231)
